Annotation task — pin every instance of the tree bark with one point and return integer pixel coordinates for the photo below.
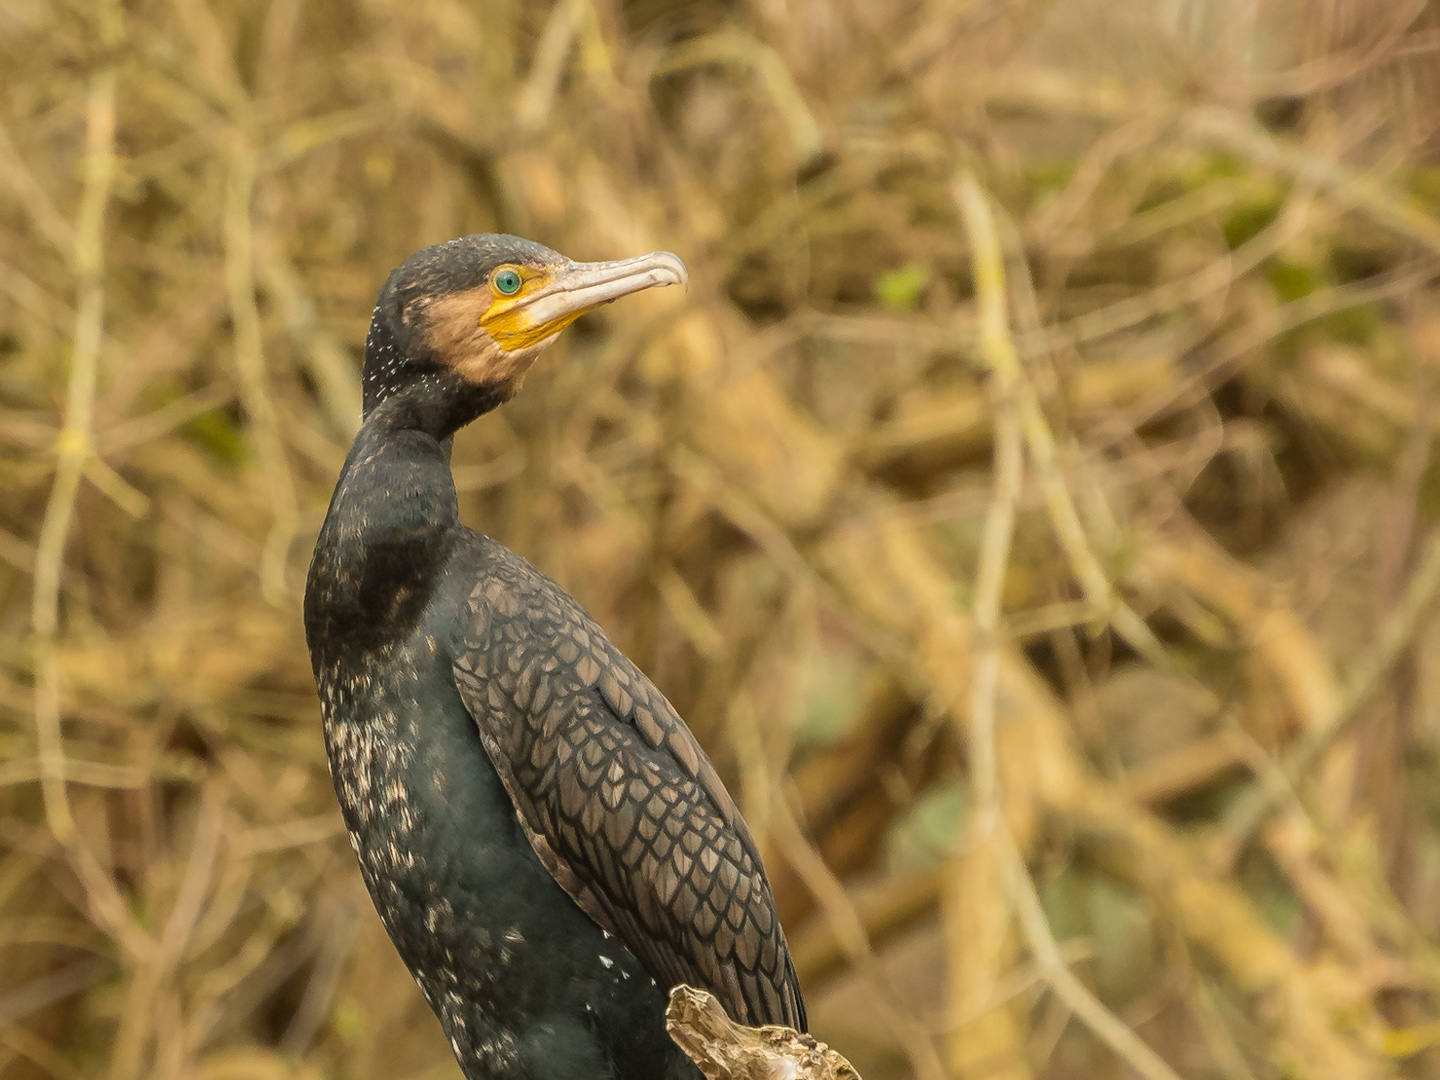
(725, 1050)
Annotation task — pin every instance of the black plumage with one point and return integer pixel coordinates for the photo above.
(546, 843)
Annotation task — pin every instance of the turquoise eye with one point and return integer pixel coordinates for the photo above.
(507, 282)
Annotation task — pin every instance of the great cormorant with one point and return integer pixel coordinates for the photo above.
(545, 841)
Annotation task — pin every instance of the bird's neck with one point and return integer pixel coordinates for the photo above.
(393, 516)
(386, 536)
(407, 390)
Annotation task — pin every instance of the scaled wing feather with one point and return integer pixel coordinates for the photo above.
(617, 798)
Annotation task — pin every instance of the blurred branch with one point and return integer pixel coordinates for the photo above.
(1009, 402)
(1055, 92)
(330, 365)
(821, 955)
(1330, 71)
(74, 450)
(741, 50)
(1227, 926)
(250, 362)
(74, 444)
(27, 1044)
(1353, 190)
(850, 932)
(32, 196)
(1220, 358)
(43, 992)
(548, 65)
(1213, 278)
(1337, 713)
(1044, 454)
(977, 926)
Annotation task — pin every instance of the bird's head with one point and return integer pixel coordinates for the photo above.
(458, 325)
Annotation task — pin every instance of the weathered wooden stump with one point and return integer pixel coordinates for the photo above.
(725, 1050)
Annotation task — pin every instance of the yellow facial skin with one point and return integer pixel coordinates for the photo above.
(508, 320)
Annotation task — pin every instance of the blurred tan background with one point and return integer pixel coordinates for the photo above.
(1030, 506)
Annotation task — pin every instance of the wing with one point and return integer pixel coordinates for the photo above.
(617, 798)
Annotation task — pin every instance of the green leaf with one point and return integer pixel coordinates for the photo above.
(921, 836)
(900, 289)
(1291, 280)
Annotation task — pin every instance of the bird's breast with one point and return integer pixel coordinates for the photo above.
(409, 771)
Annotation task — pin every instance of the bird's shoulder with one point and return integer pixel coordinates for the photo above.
(533, 644)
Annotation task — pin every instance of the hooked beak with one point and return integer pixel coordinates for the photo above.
(575, 288)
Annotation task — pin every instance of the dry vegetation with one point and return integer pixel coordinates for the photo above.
(1030, 506)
